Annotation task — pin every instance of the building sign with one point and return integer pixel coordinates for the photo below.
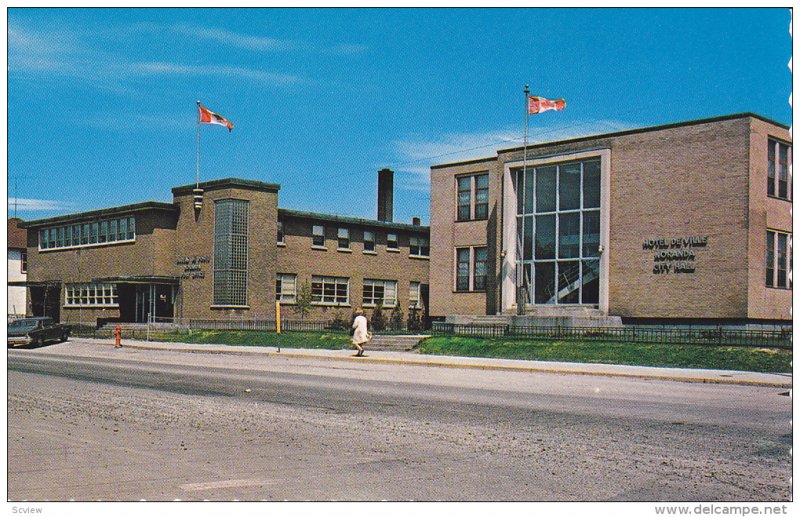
(193, 266)
(675, 255)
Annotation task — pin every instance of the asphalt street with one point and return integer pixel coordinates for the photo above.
(88, 422)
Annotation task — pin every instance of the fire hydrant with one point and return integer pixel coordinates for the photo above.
(118, 337)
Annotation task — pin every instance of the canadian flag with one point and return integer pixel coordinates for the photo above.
(540, 104)
(209, 117)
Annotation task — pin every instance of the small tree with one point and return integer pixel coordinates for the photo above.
(414, 321)
(397, 318)
(304, 299)
(378, 321)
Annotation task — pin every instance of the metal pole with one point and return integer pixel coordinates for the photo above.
(521, 295)
(198, 148)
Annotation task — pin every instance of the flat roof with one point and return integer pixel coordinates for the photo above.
(617, 134)
(227, 183)
(103, 212)
(351, 220)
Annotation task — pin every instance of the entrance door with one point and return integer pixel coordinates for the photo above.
(144, 301)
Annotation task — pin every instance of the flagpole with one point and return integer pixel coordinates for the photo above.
(198, 148)
(521, 295)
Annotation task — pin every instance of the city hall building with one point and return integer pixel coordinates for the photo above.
(223, 249)
(685, 222)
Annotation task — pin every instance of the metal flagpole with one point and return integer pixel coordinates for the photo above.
(198, 147)
(521, 294)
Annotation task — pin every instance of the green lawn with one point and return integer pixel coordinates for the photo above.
(681, 356)
(330, 340)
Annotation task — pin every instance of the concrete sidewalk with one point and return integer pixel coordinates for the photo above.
(776, 380)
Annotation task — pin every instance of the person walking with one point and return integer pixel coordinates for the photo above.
(360, 335)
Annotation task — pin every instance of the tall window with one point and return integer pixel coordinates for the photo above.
(778, 158)
(473, 197)
(479, 268)
(344, 238)
(329, 290)
(558, 232)
(318, 236)
(281, 236)
(24, 261)
(379, 292)
(462, 269)
(414, 295)
(369, 240)
(286, 288)
(230, 252)
(419, 246)
(779, 259)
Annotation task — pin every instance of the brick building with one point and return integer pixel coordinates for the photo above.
(223, 250)
(682, 222)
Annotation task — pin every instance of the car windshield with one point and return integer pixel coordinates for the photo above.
(22, 324)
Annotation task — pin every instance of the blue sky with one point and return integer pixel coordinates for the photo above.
(101, 102)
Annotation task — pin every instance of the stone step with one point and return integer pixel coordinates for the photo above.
(394, 342)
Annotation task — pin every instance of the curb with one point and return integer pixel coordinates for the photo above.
(498, 367)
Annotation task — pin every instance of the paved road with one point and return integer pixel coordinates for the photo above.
(88, 422)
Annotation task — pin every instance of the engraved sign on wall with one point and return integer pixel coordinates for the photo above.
(193, 266)
(675, 255)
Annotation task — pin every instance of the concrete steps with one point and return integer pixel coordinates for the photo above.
(394, 343)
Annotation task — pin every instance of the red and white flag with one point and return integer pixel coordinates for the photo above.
(540, 104)
(209, 117)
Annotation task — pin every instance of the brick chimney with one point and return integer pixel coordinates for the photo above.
(385, 195)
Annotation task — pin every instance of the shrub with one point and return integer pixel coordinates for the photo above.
(397, 318)
(378, 321)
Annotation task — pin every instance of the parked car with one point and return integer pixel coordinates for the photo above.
(36, 331)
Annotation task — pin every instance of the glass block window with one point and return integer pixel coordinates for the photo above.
(343, 236)
(231, 218)
(379, 292)
(329, 290)
(558, 232)
(94, 295)
(318, 235)
(391, 241)
(419, 246)
(286, 288)
(369, 240)
(778, 161)
(108, 231)
(779, 259)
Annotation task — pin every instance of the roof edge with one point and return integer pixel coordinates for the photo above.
(136, 207)
(227, 183)
(350, 220)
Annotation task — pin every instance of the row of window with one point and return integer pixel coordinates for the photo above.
(779, 259)
(418, 246)
(779, 156)
(92, 295)
(121, 229)
(331, 290)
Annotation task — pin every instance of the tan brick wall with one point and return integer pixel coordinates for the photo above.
(682, 181)
(765, 213)
(448, 234)
(195, 237)
(298, 257)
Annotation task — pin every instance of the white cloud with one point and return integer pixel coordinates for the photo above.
(416, 154)
(39, 204)
(166, 68)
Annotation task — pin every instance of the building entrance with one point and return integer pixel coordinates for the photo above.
(558, 233)
(140, 303)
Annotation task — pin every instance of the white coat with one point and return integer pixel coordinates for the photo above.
(360, 335)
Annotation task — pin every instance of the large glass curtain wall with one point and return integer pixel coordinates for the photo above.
(558, 232)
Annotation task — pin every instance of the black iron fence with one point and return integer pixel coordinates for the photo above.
(718, 336)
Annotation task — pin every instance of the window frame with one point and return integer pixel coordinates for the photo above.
(336, 281)
(23, 261)
(414, 295)
(468, 211)
(283, 295)
(343, 236)
(422, 246)
(91, 295)
(371, 241)
(776, 167)
(383, 285)
(315, 236)
(87, 234)
(392, 237)
(230, 240)
(775, 264)
(281, 237)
